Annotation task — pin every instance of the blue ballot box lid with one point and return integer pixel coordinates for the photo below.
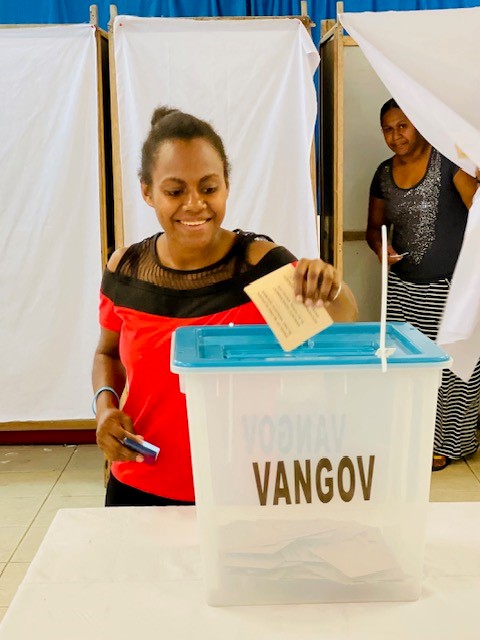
(345, 344)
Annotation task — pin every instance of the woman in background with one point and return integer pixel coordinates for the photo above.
(426, 198)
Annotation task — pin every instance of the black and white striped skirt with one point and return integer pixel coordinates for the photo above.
(458, 401)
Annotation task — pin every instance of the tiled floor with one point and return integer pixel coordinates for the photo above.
(35, 481)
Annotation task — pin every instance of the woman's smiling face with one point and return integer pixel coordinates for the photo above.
(188, 191)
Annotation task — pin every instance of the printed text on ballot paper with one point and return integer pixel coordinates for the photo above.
(291, 322)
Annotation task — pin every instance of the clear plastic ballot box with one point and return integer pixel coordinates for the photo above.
(312, 467)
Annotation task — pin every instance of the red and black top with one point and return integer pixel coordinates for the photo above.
(145, 302)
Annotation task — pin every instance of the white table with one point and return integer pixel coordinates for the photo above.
(135, 573)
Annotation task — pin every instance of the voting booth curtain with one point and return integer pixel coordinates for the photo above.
(434, 76)
(253, 81)
(49, 222)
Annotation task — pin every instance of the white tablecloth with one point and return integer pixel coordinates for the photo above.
(135, 572)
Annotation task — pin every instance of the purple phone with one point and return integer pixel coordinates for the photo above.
(146, 449)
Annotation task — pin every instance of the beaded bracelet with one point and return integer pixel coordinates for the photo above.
(97, 393)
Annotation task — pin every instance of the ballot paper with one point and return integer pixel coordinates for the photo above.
(291, 322)
(342, 552)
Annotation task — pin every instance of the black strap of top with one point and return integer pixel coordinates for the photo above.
(243, 241)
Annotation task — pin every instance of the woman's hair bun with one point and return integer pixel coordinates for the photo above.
(160, 113)
(174, 124)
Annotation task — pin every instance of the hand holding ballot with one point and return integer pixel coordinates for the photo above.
(316, 282)
(298, 302)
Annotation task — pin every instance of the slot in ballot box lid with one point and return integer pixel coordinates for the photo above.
(198, 348)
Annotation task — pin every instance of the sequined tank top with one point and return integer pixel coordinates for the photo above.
(428, 219)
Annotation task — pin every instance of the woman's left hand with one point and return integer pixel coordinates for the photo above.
(316, 282)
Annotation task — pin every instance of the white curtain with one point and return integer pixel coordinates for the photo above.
(253, 80)
(429, 61)
(49, 221)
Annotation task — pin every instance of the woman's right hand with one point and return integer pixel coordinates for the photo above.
(113, 425)
(392, 255)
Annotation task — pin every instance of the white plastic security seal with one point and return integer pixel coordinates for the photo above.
(384, 352)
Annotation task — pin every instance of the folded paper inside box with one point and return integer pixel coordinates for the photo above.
(345, 552)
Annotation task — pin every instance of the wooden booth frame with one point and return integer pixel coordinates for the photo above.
(331, 140)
